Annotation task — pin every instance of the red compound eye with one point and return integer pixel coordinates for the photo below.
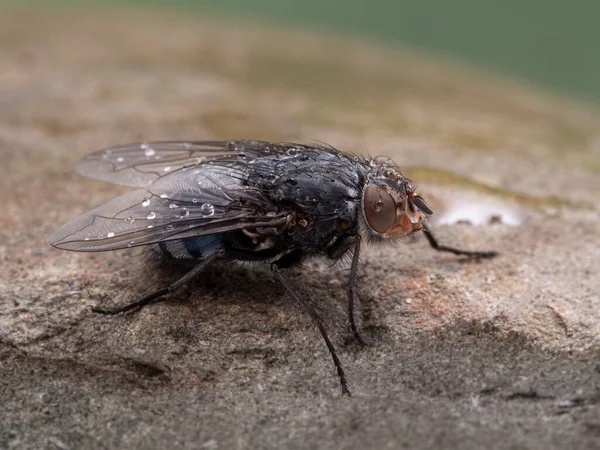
(379, 208)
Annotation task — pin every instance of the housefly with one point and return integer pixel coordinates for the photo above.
(278, 203)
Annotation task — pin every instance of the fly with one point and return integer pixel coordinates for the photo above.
(279, 203)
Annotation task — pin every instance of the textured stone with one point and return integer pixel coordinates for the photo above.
(501, 353)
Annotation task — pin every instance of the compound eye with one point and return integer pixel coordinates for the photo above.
(380, 209)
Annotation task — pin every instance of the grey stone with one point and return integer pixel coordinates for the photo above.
(491, 354)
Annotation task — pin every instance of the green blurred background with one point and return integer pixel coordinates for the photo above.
(552, 43)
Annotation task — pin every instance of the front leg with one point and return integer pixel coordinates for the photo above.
(443, 248)
(335, 253)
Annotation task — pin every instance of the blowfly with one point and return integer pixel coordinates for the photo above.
(277, 203)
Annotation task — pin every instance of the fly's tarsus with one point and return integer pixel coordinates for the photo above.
(456, 251)
(138, 304)
(173, 287)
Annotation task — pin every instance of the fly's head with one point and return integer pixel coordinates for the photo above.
(390, 207)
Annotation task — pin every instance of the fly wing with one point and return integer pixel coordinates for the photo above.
(141, 164)
(207, 198)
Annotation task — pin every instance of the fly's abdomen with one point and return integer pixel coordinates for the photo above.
(191, 248)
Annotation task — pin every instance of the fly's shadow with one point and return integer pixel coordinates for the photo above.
(224, 284)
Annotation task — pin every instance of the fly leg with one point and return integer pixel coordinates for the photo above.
(443, 248)
(336, 253)
(161, 292)
(318, 320)
(351, 290)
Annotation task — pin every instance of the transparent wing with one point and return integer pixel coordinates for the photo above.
(195, 201)
(137, 218)
(141, 164)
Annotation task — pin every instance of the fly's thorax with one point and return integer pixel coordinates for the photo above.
(389, 207)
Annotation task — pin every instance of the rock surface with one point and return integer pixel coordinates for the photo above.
(501, 353)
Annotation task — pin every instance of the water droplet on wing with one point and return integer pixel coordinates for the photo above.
(207, 209)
